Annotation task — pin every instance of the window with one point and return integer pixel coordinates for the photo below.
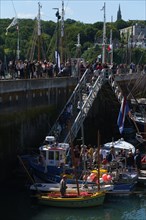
(51, 155)
(57, 155)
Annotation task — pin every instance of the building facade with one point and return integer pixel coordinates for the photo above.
(134, 35)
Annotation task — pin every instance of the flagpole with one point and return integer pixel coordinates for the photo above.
(104, 36)
(39, 30)
(18, 43)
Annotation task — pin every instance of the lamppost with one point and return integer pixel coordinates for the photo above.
(57, 40)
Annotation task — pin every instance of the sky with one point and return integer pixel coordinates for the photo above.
(86, 11)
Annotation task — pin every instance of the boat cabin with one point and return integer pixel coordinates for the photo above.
(53, 154)
(118, 146)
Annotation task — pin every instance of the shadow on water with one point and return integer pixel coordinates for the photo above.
(16, 204)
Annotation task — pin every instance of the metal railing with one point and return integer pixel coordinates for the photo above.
(84, 111)
(73, 99)
(79, 115)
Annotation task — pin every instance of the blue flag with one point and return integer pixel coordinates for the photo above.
(124, 110)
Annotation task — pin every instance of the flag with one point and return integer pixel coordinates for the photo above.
(124, 110)
(110, 47)
(102, 8)
(13, 23)
(98, 57)
(57, 58)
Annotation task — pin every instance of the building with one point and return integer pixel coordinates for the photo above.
(134, 35)
(119, 15)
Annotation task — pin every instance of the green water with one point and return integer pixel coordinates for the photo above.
(16, 204)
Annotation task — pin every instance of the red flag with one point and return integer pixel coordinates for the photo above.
(110, 47)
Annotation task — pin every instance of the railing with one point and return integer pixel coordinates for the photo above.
(78, 117)
(84, 110)
(73, 99)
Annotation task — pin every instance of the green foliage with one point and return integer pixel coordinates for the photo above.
(120, 24)
(122, 55)
(91, 54)
(89, 35)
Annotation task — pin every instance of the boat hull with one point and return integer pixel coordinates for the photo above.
(124, 187)
(69, 201)
(71, 188)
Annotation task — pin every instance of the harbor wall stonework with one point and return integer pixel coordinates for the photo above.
(28, 109)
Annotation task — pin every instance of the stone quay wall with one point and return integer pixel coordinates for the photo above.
(28, 109)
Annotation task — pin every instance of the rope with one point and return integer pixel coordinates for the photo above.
(32, 180)
(26, 169)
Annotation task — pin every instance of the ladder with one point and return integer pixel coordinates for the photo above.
(88, 101)
(79, 94)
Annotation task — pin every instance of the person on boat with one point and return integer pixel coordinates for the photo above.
(137, 160)
(41, 159)
(90, 155)
(77, 151)
(63, 186)
(84, 156)
(122, 158)
(130, 161)
(111, 156)
(95, 157)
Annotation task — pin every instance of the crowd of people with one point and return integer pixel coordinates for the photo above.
(20, 69)
(91, 158)
(125, 160)
(24, 69)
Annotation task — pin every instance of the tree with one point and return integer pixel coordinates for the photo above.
(120, 24)
(90, 34)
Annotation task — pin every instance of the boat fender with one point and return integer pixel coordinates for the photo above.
(92, 177)
(106, 177)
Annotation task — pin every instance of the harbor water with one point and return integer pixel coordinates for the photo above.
(17, 204)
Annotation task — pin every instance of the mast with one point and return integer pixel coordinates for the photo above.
(111, 43)
(98, 137)
(57, 42)
(39, 30)
(18, 43)
(82, 128)
(78, 45)
(104, 35)
(73, 160)
(62, 33)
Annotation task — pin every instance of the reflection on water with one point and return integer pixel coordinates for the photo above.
(16, 204)
(129, 208)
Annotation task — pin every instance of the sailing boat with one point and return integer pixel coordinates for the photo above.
(73, 200)
(138, 118)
